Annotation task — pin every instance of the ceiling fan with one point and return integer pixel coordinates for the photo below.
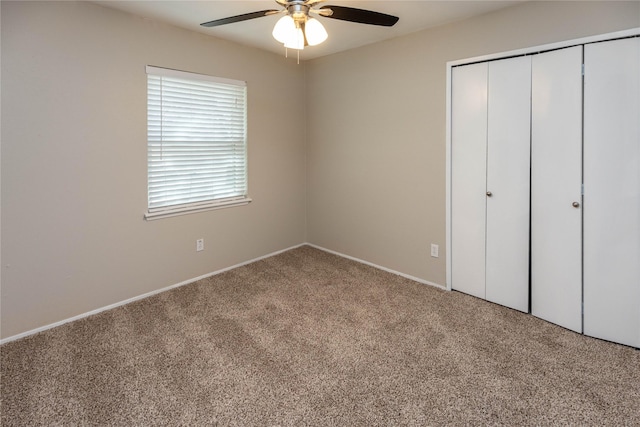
(297, 28)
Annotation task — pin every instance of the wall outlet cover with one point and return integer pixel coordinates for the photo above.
(434, 250)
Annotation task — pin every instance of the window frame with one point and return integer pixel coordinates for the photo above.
(188, 207)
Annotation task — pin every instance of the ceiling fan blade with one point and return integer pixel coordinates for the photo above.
(238, 18)
(360, 15)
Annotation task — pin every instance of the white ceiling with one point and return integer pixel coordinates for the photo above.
(414, 15)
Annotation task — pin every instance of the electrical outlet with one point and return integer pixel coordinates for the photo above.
(434, 250)
(200, 245)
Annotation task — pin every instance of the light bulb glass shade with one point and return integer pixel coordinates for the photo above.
(296, 40)
(315, 32)
(284, 29)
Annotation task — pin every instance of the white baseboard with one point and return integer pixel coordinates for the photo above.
(139, 297)
(204, 276)
(379, 267)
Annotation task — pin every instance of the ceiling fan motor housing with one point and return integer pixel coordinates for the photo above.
(299, 12)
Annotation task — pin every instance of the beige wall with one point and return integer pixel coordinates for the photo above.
(74, 161)
(376, 129)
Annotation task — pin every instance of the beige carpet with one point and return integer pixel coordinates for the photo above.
(309, 338)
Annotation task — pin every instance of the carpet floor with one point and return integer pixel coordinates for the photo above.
(310, 338)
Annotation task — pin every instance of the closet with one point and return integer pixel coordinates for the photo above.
(490, 200)
(612, 191)
(544, 185)
(556, 187)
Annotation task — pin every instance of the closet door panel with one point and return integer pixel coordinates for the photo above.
(508, 178)
(556, 180)
(612, 191)
(468, 178)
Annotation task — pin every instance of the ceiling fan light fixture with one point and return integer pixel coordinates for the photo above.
(284, 29)
(315, 32)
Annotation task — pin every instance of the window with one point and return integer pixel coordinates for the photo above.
(196, 142)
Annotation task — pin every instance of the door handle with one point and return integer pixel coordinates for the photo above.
(575, 204)
(489, 194)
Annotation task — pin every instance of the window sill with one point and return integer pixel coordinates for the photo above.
(190, 209)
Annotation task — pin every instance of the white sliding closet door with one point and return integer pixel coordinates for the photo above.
(468, 178)
(556, 180)
(508, 173)
(612, 191)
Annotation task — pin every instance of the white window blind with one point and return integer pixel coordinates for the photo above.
(196, 140)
